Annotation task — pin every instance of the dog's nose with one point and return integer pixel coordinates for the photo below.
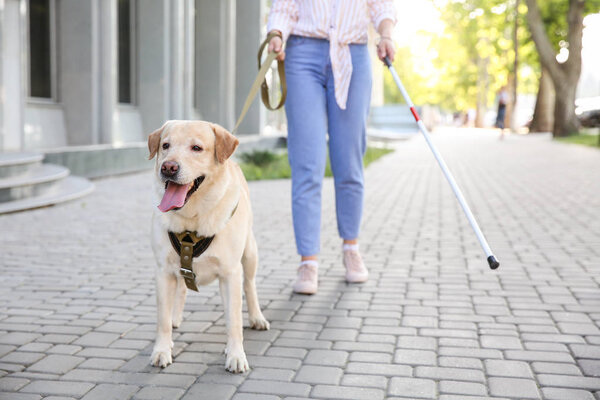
(169, 168)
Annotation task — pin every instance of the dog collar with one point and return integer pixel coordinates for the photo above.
(188, 245)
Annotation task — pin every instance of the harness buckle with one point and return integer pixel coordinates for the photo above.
(187, 274)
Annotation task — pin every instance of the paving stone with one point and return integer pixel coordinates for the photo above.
(275, 387)
(313, 375)
(506, 368)
(251, 396)
(102, 363)
(59, 388)
(412, 388)
(363, 356)
(562, 394)
(590, 367)
(22, 357)
(211, 390)
(9, 384)
(555, 368)
(335, 358)
(374, 381)
(417, 342)
(64, 349)
(500, 342)
(106, 391)
(465, 388)
(274, 374)
(24, 396)
(18, 338)
(378, 369)
(460, 362)
(415, 357)
(456, 374)
(343, 392)
(566, 381)
(96, 339)
(56, 364)
(510, 387)
(585, 351)
(158, 393)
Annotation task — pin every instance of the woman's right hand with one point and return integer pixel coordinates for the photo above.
(276, 45)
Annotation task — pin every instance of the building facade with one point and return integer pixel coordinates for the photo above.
(108, 72)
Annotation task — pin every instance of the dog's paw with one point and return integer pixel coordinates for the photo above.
(236, 361)
(259, 323)
(161, 357)
(177, 321)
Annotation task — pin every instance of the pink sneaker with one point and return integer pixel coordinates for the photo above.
(308, 277)
(356, 272)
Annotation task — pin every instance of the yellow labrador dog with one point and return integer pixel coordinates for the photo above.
(203, 193)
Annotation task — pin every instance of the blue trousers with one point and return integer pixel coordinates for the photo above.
(312, 115)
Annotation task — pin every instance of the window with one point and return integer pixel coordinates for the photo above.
(126, 50)
(41, 49)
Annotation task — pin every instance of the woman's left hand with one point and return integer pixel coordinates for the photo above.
(386, 47)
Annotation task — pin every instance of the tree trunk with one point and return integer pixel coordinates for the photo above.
(482, 92)
(565, 120)
(515, 84)
(543, 115)
(565, 76)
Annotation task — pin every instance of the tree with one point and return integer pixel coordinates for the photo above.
(565, 76)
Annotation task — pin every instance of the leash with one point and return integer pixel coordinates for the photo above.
(261, 82)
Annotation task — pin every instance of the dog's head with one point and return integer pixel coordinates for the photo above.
(188, 152)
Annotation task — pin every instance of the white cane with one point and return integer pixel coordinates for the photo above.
(491, 259)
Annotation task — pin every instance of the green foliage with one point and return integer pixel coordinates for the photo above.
(255, 167)
(258, 157)
(474, 56)
(582, 138)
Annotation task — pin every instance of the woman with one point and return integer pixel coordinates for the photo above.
(328, 74)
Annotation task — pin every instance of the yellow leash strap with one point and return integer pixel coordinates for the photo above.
(261, 82)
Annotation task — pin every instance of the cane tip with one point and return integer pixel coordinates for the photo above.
(493, 262)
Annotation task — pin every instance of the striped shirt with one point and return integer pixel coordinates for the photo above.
(340, 21)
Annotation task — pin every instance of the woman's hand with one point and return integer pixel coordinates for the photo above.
(276, 45)
(386, 47)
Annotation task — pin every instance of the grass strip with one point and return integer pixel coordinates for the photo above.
(265, 164)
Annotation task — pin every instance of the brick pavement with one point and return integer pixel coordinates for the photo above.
(77, 307)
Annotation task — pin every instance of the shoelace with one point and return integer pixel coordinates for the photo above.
(355, 261)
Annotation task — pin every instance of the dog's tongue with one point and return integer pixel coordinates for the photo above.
(174, 196)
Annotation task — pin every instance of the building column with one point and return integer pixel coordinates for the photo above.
(77, 81)
(215, 61)
(13, 27)
(105, 32)
(249, 35)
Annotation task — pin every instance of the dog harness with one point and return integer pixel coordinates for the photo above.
(189, 245)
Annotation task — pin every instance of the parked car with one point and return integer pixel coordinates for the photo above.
(588, 111)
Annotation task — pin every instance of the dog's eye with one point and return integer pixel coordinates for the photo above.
(197, 148)
(165, 146)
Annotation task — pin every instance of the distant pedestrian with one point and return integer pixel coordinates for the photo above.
(328, 72)
(502, 101)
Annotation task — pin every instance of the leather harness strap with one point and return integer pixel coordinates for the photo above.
(189, 245)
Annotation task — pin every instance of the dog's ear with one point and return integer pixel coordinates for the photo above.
(225, 143)
(154, 141)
